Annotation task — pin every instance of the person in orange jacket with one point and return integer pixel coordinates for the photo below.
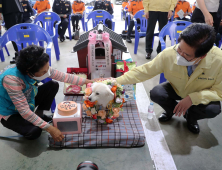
(124, 4)
(78, 8)
(185, 7)
(42, 5)
(134, 7)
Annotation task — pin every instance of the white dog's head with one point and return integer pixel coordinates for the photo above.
(101, 93)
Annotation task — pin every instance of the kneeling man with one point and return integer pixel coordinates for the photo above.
(193, 69)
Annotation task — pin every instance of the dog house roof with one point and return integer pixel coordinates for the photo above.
(116, 40)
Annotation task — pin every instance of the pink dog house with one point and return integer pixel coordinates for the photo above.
(100, 36)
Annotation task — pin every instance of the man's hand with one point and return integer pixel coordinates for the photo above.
(55, 133)
(0, 16)
(147, 15)
(209, 19)
(64, 16)
(170, 14)
(182, 106)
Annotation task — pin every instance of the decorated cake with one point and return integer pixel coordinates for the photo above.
(67, 108)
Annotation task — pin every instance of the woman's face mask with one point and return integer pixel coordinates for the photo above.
(47, 74)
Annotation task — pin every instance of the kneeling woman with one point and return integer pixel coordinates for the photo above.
(20, 94)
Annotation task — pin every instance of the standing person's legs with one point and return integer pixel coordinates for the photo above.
(162, 19)
(197, 16)
(216, 25)
(153, 15)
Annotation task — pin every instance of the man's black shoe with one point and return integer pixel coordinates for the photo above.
(46, 118)
(193, 127)
(192, 124)
(128, 39)
(148, 55)
(62, 38)
(164, 117)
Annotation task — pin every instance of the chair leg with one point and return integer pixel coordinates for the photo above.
(41, 43)
(86, 27)
(56, 47)
(6, 49)
(53, 106)
(162, 78)
(83, 25)
(113, 26)
(137, 38)
(69, 30)
(2, 56)
(125, 24)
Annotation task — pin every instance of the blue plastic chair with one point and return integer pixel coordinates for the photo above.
(35, 12)
(23, 34)
(48, 19)
(173, 29)
(69, 28)
(97, 16)
(83, 21)
(88, 10)
(1, 53)
(143, 27)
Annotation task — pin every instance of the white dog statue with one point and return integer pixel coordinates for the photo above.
(101, 93)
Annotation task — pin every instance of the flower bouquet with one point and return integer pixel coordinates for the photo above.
(112, 109)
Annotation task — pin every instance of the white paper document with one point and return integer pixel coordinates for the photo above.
(180, 13)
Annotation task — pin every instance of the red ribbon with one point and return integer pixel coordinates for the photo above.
(125, 68)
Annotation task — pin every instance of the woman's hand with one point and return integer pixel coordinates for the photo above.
(88, 81)
(102, 79)
(55, 133)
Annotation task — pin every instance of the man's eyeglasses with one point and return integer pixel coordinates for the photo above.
(181, 55)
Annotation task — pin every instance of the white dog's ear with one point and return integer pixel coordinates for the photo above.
(110, 94)
(94, 84)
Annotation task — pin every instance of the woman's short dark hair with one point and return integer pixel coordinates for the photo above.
(31, 59)
(199, 36)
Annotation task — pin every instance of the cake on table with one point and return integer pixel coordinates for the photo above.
(67, 108)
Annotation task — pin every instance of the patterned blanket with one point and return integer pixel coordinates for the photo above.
(126, 131)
